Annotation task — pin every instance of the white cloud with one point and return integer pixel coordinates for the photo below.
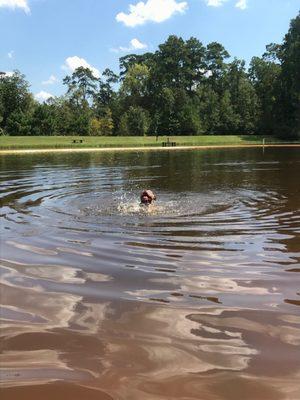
(43, 96)
(215, 3)
(135, 44)
(10, 54)
(52, 79)
(242, 4)
(72, 63)
(151, 10)
(23, 4)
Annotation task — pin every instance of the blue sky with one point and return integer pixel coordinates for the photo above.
(47, 39)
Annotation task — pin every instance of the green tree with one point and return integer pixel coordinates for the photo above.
(169, 62)
(288, 102)
(216, 67)
(81, 86)
(189, 119)
(43, 120)
(16, 104)
(194, 64)
(105, 95)
(102, 126)
(243, 98)
(264, 74)
(129, 60)
(209, 109)
(135, 84)
(229, 120)
(64, 115)
(168, 123)
(135, 122)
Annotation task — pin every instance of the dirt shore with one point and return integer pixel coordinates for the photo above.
(109, 149)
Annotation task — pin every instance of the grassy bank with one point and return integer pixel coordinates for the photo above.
(60, 142)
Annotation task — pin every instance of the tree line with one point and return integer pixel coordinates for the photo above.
(183, 88)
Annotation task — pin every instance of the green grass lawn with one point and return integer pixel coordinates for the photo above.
(44, 142)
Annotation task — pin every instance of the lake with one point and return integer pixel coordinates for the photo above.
(197, 298)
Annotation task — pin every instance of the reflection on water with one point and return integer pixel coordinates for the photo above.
(196, 297)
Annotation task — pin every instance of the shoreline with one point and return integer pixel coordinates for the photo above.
(144, 148)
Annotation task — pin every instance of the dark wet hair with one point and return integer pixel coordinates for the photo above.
(147, 196)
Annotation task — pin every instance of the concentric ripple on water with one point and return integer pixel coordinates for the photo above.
(104, 298)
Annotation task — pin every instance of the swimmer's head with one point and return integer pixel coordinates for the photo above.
(147, 196)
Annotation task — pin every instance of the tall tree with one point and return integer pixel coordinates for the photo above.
(135, 122)
(216, 55)
(194, 63)
(16, 103)
(134, 88)
(243, 98)
(105, 93)
(264, 74)
(81, 86)
(129, 60)
(288, 104)
(170, 60)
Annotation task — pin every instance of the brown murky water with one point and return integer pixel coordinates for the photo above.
(197, 299)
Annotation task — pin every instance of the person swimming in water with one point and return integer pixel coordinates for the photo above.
(147, 196)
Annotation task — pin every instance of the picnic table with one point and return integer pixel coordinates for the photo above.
(168, 143)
